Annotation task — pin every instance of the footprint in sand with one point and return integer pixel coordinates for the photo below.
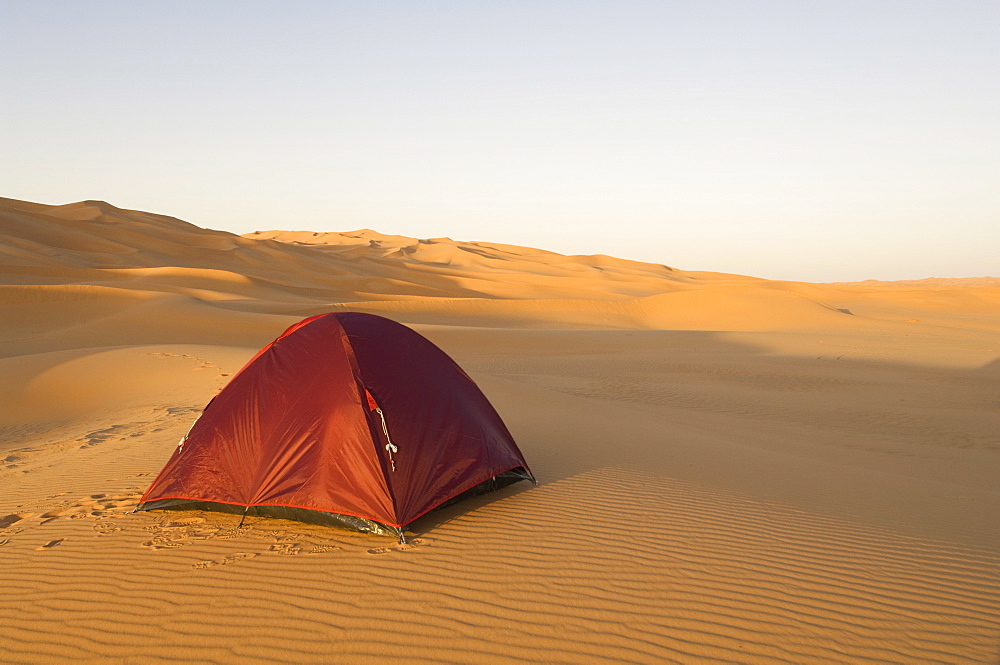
(296, 543)
(178, 532)
(227, 560)
(93, 505)
(49, 545)
(323, 549)
(105, 528)
(181, 523)
(56, 513)
(172, 534)
(410, 545)
(161, 542)
(121, 431)
(229, 534)
(10, 520)
(280, 535)
(177, 411)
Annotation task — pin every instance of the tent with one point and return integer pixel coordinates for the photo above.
(346, 418)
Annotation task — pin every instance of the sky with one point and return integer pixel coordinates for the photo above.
(802, 140)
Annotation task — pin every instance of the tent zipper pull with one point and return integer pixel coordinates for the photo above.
(389, 447)
(180, 445)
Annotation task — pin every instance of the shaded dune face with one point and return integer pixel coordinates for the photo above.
(732, 470)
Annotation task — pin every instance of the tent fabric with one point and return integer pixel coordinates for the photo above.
(349, 414)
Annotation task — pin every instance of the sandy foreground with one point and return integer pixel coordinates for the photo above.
(732, 470)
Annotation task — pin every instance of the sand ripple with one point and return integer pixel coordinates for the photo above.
(607, 566)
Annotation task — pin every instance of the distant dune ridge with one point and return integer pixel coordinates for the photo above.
(114, 258)
(732, 469)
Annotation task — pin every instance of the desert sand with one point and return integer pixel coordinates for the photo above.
(732, 470)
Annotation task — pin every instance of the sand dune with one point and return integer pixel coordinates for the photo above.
(733, 470)
(294, 274)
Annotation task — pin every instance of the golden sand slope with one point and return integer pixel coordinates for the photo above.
(732, 470)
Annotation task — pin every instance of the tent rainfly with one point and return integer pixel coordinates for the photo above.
(346, 418)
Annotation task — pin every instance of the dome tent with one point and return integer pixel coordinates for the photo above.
(345, 418)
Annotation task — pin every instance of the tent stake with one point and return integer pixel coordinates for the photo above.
(243, 518)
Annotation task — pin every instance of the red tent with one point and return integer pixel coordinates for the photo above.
(348, 418)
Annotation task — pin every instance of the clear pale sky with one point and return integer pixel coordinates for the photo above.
(816, 141)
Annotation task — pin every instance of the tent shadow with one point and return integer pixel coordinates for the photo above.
(425, 524)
